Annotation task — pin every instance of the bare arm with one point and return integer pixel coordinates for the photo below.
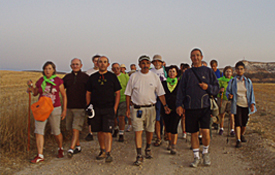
(117, 100)
(32, 89)
(128, 100)
(88, 97)
(163, 101)
(64, 97)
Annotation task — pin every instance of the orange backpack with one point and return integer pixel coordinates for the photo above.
(42, 109)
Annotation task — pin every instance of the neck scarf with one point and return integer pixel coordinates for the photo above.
(225, 79)
(47, 80)
(172, 81)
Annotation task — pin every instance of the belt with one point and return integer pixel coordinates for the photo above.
(143, 106)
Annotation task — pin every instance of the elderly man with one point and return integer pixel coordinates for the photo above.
(89, 72)
(196, 86)
(161, 73)
(103, 94)
(75, 85)
(141, 90)
(121, 112)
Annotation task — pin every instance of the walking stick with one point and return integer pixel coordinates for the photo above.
(29, 123)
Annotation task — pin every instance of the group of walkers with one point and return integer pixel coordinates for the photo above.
(152, 99)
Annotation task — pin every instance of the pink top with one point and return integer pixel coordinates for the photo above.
(54, 95)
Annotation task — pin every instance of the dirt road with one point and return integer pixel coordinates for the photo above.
(225, 160)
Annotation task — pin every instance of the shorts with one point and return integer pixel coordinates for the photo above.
(225, 107)
(75, 119)
(121, 110)
(171, 122)
(54, 119)
(196, 119)
(103, 121)
(148, 118)
(158, 109)
(241, 117)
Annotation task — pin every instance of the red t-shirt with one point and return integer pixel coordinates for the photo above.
(54, 95)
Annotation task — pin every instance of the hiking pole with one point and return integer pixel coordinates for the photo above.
(29, 123)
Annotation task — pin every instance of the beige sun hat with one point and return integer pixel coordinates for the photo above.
(123, 65)
(157, 58)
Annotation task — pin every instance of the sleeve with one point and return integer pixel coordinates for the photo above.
(128, 90)
(64, 81)
(89, 84)
(213, 86)
(159, 88)
(252, 96)
(229, 89)
(117, 85)
(181, 91)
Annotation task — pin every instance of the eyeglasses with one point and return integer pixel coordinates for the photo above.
(76, 64)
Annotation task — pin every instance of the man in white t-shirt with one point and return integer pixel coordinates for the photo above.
(95, 68)
(158, 64)
(89, 72)
(141, 91)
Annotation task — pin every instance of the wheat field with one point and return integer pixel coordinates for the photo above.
(14, 110)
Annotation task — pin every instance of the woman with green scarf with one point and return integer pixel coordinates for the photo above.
(49, 85)
(223, 102)
(171, 120)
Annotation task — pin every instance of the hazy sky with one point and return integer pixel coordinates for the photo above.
(34, 31)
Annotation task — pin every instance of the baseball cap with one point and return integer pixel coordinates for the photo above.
(157, 58)
(144, 57)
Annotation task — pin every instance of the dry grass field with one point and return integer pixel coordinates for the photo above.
(14, 115)
(14, 109)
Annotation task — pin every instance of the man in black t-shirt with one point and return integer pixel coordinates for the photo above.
(103, 92)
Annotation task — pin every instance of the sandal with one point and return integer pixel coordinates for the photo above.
(157, 143)
(148, 153)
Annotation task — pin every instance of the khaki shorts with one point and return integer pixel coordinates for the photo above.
(226, 106)
(54, 120)
(148, 118)
(75, 119)
(121, 110)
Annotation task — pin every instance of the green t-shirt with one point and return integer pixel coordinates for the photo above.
(223, 84)
(123, 80)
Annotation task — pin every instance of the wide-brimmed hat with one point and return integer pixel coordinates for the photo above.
(157, 58)
(123, 65)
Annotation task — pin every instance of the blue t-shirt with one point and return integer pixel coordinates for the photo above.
(218, 73)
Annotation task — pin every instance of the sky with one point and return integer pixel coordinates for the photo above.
(35, 31)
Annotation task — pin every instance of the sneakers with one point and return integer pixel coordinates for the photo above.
(184, 135)
(102, 155)
(70, 153)
(89, 137)
(115, 133)
(173, 151)
(196, 162)
(148, 154)
(232, 133)
(37, 159)
(121, 138)
(139, 160)
(238, 144)
(108, 158)
(206, 159)
(221, 132)
(129, 128)
(60, 153)
(77, 150)
(243, 139)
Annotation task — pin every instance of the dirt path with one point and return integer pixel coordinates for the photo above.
(225, 160)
